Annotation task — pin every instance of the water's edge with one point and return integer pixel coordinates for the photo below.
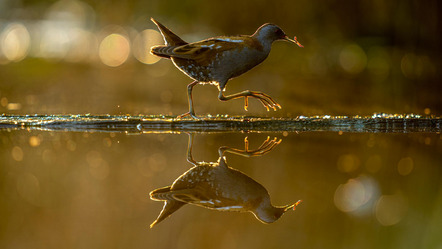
(376, 123)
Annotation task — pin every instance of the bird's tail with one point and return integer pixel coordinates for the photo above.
(162, 51)
(170, 205)
(169, 37)
(161, 194)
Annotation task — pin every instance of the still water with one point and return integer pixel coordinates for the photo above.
(91, 189)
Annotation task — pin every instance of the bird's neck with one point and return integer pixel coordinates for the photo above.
(268, 213)
(263, 40)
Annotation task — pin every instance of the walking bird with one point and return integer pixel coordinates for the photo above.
(219, 59)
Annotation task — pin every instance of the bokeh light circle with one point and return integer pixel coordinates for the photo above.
(142, 44)
(15, 42)
(114, 50)
(353, 59)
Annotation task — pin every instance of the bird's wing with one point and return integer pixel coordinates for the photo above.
(199, 51)
(196, 196)
(188, 52)
(187, 195)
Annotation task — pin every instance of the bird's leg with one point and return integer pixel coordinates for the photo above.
(190, 155)
(191, 112)
(189, 150)
(265, 99)
(246, 143)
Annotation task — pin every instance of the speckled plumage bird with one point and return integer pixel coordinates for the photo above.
(217, 186)
(217, 60)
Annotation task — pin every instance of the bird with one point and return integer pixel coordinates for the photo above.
(219, 59)
(219, 187)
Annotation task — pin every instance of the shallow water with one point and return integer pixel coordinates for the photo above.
(90, 189)
(378, 122)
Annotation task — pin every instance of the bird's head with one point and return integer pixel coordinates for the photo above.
(270, 33)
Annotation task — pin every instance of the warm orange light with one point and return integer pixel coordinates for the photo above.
(84, 46)
(15, 42)
(142, 44)
(352, 196)
(114, 50)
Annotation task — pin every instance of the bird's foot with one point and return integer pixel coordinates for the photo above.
(266, 146)
(265, 100)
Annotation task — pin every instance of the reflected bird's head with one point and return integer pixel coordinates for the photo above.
(269, 214)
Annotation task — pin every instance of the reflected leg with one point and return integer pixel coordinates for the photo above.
(189, 150)
(265, 147)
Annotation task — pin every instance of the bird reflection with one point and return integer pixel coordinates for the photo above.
(215, 185)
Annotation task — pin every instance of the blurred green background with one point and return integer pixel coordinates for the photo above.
(360, 57)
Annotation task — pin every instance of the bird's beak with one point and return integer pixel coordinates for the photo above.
(295, 41)
(293, 206)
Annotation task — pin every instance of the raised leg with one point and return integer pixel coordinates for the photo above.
(191, 112)
(265, 99)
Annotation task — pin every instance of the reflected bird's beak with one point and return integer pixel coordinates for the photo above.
(293, 206)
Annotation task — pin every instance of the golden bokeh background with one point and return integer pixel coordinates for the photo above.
(73, 56)
(90, 190)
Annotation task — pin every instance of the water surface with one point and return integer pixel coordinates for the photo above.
(83, 189)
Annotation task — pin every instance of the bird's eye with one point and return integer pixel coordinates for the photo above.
(279, 33)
